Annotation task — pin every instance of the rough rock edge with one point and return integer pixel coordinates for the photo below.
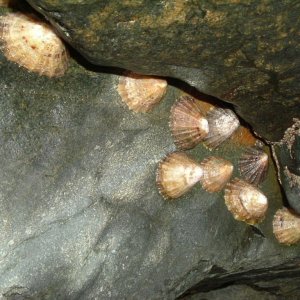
(294, 180)
(288, 140)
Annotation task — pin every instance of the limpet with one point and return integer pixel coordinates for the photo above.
(187, 123)
(216, 173)
(253, 164)
(176, 174)
(222, 123)
(246, 202)
(33, 45)
(5, 3)
(286, 226)
(140, 92)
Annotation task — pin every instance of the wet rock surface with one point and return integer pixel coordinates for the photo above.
(246, 53)
(81, 217)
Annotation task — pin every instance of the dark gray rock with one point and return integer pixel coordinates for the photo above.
(263, 284)
(241, 292)
(275, 290)
(80, 214)
(246, 53)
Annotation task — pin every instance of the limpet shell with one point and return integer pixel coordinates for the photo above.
(33, 44)
(216, 173)
(286, 226)
(245, 201)
(5, 3)
(176, 174)
(140, 92)
(222, 124)
(187, 123)
(253, 165)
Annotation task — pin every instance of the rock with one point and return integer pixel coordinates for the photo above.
(287, 154)
(270, 291)
(245, 53)
(241, 292)
(81, 217)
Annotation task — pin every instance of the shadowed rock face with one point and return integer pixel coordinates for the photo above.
(287, 154)
(80, 214)
(243, 52)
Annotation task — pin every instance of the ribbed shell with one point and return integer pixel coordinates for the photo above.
(176, 174)
(286, 226)
(141, 93)
(245, 201)
(222, 123)
(253, 165)
(187, 123)
(33, 44)
(5, 3)
(216, 173)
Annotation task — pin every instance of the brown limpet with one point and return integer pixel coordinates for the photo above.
(188, 125)
(140, 92)
(245, 201)
(5, 3)
(216, 173)
(253, 165)
(176, 174)
(222, 124)
(286, 226)
(33, 45)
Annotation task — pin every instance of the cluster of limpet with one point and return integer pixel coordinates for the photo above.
(190, 126)
(177, 173)
(33, 44)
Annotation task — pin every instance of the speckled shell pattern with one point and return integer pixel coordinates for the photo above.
(253, 165)
(245, 201)
(216, 173)
(140, 92)
(286, 226)
(33, 44)
(176, 174)
(188, 125)
(222, 124)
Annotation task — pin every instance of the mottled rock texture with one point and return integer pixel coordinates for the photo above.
(243, 52)
(80, 215)
(287, 154)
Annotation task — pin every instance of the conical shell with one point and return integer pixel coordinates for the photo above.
(246, 202)
(33, 44)
(176, 174)
(253, 165)
(8, 3)
(216, 173)
(5, 3)
(188, 125)
(222, 123)
(141, 93)
(286, 226)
